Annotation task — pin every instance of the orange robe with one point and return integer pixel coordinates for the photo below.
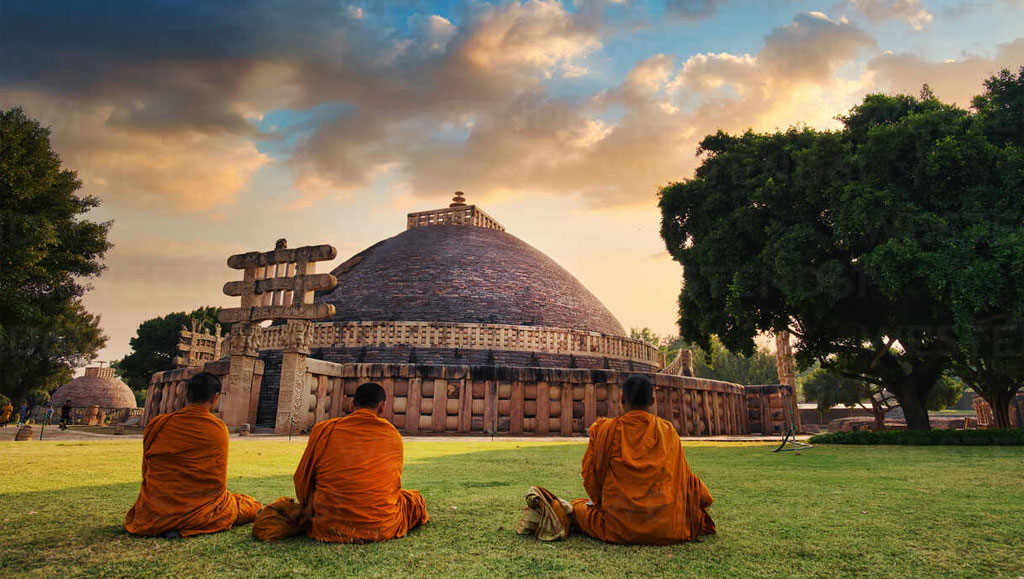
(184, 478)
(640, 487)
(5, 413)
(350, 479)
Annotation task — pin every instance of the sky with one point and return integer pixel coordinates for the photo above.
(213, 128)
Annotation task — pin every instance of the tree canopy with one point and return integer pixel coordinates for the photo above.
(717, 363)
(876, 245)
(48, 251)
(155, 345)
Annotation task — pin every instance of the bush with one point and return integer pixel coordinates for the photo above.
(1005, 437)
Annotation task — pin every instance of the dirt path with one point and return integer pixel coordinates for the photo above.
(75, 433)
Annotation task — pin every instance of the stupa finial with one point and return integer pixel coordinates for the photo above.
(458, 200)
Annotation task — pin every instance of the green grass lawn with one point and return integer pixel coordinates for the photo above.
(829, 512)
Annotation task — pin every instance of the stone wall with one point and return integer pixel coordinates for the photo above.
(167, 389)
(451, 399)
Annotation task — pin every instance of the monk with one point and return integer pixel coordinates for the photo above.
(634, 470)
(350, 478)
(184, 471)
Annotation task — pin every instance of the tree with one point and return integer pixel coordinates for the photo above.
(155, 345)
(991, 361)
(994, 365)
(48, 250)
(1001, 108)
(716, 363)
(861, 242)
(830, 390)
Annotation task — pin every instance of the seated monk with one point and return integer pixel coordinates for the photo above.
(634, 470)
(350, 477)
(184, 471)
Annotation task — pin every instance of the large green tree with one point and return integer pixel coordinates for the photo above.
(862, 242)
(155, 344)
(48, 250)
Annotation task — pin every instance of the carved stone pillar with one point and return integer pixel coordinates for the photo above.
(237, 394)
(294, 396)
(787, 376)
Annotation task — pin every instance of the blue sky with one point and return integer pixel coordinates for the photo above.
(213, 128)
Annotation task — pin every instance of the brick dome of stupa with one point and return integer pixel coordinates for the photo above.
(463, 274)
(97, 387)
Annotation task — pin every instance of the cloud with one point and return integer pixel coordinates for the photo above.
(692, 9)
(791, 79)
(952, 81)
(515, 138)
(184, 171)
(912, 12)
(173, 116)
(811, 46)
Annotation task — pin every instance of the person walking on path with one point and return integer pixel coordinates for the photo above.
(23, 413)
(65, 415)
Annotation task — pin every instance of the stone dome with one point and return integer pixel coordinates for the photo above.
(463, 274)
(98, 387)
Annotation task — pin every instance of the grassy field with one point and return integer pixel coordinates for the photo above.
(829, 511)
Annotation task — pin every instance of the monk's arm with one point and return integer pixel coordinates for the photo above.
(590, 475)
(305, 474)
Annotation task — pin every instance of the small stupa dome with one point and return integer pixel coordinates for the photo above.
(97, 387)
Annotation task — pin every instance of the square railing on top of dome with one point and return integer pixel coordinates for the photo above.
(468, 336)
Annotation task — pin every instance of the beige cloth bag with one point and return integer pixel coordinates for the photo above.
(545, 516)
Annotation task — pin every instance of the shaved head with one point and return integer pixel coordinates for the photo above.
(369, 395)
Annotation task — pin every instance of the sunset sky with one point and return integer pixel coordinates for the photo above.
(209, 129)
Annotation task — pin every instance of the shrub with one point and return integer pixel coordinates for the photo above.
(1005, 437)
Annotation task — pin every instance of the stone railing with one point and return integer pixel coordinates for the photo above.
(479, 399)
(462, 215)
(771, 409)
(471, 337)
(167, 389)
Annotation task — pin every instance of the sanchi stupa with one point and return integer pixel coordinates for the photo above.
(468, 328)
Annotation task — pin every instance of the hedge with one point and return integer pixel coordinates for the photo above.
(1005, 437)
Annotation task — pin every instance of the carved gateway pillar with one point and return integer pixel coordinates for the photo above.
(787, 376)
(239, 393)
(293, 396)
(276, 285)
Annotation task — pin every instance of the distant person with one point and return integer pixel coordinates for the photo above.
(23, 413)
(65, 415)
(635, 472)
(49, 414)
(5, 414)
(349, 480)
(184, 471)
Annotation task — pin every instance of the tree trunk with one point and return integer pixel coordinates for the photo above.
(879, 412)
(1000, 404)
(912, 396)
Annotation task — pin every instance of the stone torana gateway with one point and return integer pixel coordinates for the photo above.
(467, 328)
